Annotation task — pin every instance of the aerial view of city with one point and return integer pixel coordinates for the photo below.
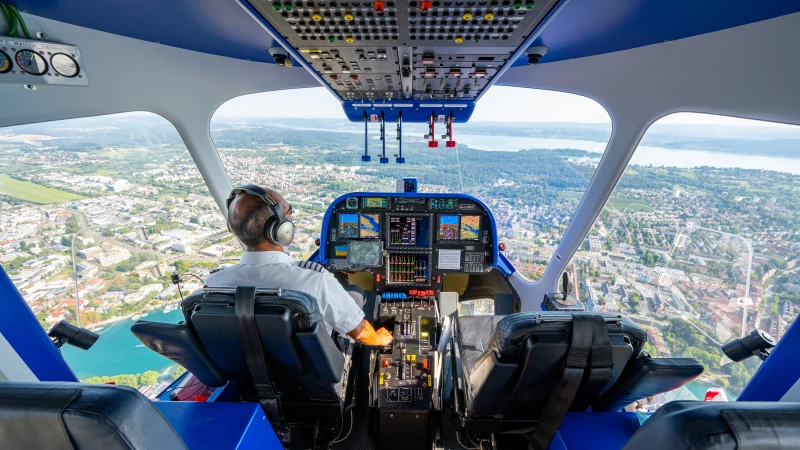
(696, 253)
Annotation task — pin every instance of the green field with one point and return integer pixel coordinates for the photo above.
(34, 193)
(620, 204)
(572, 195)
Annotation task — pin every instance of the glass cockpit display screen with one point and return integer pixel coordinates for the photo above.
(370, 225)
(448, 227)
(470, 228)
(364, 253)
(410, 231)
(348, 226)
(375, 203)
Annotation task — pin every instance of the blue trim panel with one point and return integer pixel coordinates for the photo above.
(778, 373)
(414, 111)
(296, 57)
(214, 426)
(594, 27)
(505, 267)
(327, 218)
(22, 330)
(596, 430)
(214, 27)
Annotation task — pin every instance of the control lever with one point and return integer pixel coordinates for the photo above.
(449, 131)
(400, 159)
(432, 143)
(383, 159)
(365, 157)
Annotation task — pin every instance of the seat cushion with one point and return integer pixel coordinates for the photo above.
(696, 425)
(75, 415)
(474, 335)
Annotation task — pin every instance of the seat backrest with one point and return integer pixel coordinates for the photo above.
(523, 360)
(303, 360)
(695, 425)
(73, 415)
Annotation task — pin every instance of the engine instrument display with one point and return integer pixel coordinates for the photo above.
(5, 62)
(348, 226)
(31, 62)
(375, 203)
(365, 253)
(408, 230)
(470, 228)
(448, 227)
(64, 65)
(443, 204)
(370, 225)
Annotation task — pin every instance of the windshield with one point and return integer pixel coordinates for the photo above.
(528, 154)
(699, 242)
(124, 194)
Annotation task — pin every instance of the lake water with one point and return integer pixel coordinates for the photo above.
(644, 155)
(118, 351)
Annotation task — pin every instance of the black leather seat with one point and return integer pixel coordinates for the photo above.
(306, 366)
(69, 416)
(511, 365)
(684, 425)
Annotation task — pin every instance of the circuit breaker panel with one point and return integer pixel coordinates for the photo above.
(384, 51)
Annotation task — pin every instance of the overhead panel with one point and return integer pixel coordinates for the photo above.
(379, 53)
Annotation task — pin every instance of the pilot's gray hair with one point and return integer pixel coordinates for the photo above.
(249, 227)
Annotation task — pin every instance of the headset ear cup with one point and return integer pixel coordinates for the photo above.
(284, 233)
(269, 231)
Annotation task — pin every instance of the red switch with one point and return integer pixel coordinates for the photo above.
(377, 7)
(386, 362)
(424, 6)
(479, 73)
(378, 277)
(354, 77)
(433, 144)
(430, 73)
(334, 77)
(425, 364)
(455, 73)
(450, 144)
(438, 279)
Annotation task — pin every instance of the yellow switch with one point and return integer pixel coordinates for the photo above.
(381, 378)
(459, 40)
(467, 16)
(414, 357)
(424, 335)
(488, 16)
(317, 17)
(349, 39)
(348, 17)
(429, 381)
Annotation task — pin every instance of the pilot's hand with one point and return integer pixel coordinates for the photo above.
(365, 334)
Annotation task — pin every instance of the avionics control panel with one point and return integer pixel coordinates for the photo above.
(409, 240)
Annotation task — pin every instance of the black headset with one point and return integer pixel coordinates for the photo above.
(278, 230)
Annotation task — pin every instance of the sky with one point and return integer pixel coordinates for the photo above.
(499, 104)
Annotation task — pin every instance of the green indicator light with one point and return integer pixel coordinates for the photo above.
(288, 6)
(477, 39)
(276, 6)
(529, 5)
(517, 5)
(331, 39)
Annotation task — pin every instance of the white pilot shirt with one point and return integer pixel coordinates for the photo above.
(278, 270)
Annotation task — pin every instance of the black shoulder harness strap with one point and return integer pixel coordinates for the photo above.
(268, 396)
(589, 336)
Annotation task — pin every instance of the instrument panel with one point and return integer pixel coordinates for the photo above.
(409, 240)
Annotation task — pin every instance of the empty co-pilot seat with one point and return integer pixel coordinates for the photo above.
(685, 425)
(307, 368)
(512, 364)
(67, 416)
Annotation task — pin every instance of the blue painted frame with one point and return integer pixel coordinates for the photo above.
(319, 256)
(778, 373)
(22, 330)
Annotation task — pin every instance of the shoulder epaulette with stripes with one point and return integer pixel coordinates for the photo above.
(311, 265)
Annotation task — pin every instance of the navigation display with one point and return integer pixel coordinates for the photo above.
(470, 228)
(375, 203)
(364, 253)
(348, 226)
(448, 227)
(370, 225)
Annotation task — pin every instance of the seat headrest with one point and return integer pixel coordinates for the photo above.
(303, 305)
(512, 330)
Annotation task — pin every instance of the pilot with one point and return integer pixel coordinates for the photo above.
(261, 219)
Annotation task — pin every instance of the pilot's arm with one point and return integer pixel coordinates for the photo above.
(345, 316)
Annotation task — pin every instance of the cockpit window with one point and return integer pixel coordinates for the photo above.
(699, 244)
(528, 154)
(124, 192)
